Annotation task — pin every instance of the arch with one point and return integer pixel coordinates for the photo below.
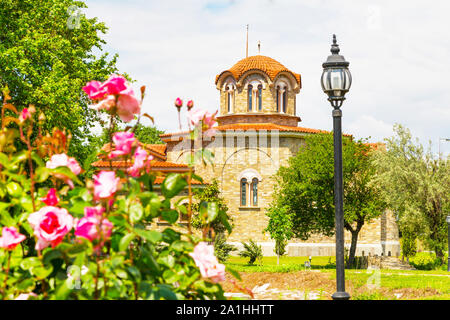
(250, 174)
(252, 75)
(288, 78)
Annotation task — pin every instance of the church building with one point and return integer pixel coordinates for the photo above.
(257, 133)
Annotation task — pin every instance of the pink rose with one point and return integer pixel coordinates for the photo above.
(93, 226)
(106, 103)
(116, 92)
(25, 296)
(51, 199)
(190, 104)
(123, 142)
(50, 225)
(140, 157)
(115, 84)
(207, 262)
(127, 105)
(178, 103)
(105, 184)
(94, 90)
(62, 160)
(10, 238)
(199, 115)
(25, 114)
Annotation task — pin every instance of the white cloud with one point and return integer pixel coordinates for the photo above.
(398, 54)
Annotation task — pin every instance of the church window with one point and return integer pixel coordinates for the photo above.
(243, 192)
(278, 98)
(250, 98)
(255, 191)
(259, 97)
(284, 100)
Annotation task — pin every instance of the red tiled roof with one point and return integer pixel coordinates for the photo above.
(270, 66)
(155, 164)
(158, 150)
(160, 179)
(257, 127)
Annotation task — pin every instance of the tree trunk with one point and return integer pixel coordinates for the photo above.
(351, 255)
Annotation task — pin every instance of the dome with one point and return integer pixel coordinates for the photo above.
(266, 64)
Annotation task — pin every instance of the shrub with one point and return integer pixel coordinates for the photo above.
(251, 251)
(92, 239)
(425, 261)
(221, 248)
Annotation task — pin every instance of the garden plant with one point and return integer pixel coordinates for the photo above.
(64, 238)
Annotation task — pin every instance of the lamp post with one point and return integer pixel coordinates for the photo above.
(448, 236)
(336, 81)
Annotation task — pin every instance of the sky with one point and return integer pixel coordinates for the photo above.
(398, 52)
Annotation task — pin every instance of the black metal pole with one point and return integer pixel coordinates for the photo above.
(340, 294)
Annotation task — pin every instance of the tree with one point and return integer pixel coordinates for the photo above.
(209, 194)
(280, 228)
(46, 57)
(148, 134)
(306, 189)
(416, 186)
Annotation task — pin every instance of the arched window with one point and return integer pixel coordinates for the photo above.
(260, 97)
(255, 191)
(284, 99)
(250, 96)
(243, 192)
(278, 98)
(229, 97)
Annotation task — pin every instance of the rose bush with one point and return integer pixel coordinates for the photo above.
(54, 223)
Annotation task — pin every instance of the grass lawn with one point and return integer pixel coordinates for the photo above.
(287, 264)
(362, 284)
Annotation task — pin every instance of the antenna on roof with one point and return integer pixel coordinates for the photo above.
(246, 48)
(259, 47)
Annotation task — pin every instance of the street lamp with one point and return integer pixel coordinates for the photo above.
(336, 81)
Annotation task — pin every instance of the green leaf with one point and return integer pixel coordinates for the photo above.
(14, 189)
(51, 255)
(125, 241)
(30, 262)
(234, 273)
(150, 235)
(134, 272)
(166, 293)
(213, 211)
(65, 171)
(172, 185)
(170, 216)
(136, 212)
(77, 248)
(41, 174)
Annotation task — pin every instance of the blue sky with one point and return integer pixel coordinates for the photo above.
(398, 53)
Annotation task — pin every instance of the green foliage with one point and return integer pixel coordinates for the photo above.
(148, 134)
(252, 251)
(210, 194)
(408, 244)
(426, 261)
(415, 185)
(45, 63)
(135, 261)
(280, 247)
(222, 249)
(279, 227)
(305, 189)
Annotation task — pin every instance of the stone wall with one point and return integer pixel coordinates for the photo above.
(238, 152)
